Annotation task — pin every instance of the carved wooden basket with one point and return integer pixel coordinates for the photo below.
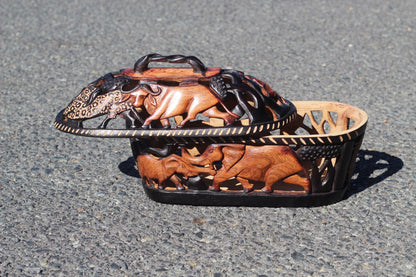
(209, 136)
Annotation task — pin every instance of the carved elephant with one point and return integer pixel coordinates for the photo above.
(156, 171)
(268, 164)
(101, 97)
(163, 102)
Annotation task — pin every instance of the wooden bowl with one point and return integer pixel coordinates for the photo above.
(313, 159)
(212, 136)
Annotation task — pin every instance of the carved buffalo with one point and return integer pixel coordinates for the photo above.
(268, 164)
(163, 102)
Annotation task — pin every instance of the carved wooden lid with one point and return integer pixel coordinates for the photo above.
(175, 102)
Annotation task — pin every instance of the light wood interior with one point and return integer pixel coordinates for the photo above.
(348, 118)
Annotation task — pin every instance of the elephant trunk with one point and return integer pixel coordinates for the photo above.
(199, 160)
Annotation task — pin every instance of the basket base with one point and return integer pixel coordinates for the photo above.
(252, 199)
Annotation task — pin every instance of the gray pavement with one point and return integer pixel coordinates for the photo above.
(72, 206)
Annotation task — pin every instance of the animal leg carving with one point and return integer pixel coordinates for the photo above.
(132, 118)
(191, 115)
(247, 187)
(105, 122)
(177, 181)
(298, 180)
(214, 112)
(156, 115)
(280, 172)
(222, 176)
(165, 123)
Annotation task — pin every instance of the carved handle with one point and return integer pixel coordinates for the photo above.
(142, 64)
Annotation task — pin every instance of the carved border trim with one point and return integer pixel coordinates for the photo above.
(242, 134)
(173, 134)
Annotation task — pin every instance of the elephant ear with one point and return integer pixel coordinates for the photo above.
(170, 165)
(232, 154)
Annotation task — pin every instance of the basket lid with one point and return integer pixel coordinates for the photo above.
(174, 102)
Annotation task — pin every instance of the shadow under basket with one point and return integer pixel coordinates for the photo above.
(308, 162)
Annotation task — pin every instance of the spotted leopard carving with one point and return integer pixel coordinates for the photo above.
(94, 100)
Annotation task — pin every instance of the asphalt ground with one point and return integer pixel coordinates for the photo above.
(74, 206)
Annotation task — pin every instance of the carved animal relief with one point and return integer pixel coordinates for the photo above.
(210, 136)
